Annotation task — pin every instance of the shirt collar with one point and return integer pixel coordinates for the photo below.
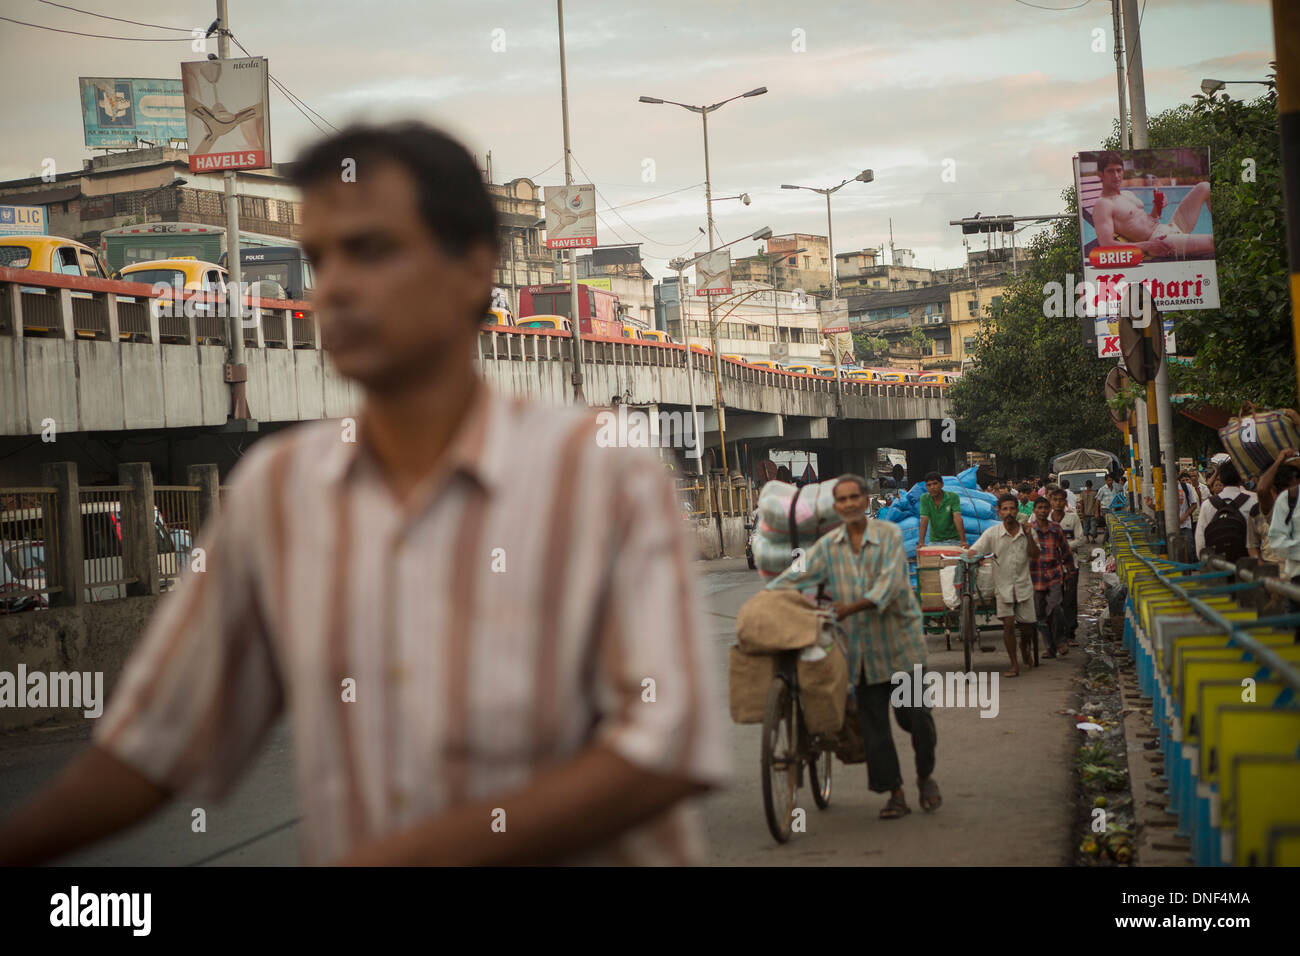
(873, 534)
(1002, 530)
(475, 449)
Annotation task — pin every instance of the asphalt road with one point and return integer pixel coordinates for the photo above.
(1005, 781)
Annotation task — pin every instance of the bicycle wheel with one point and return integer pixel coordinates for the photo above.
(819, 776)
(967, 628)
(780, 760)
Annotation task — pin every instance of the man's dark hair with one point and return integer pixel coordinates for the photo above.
(1285, 476)
(933, 476)
(1088, 483)
(1228, 473)
(856, 479)
(453, 201)
(1109, 158)
(1008, 497)
(1065, 483)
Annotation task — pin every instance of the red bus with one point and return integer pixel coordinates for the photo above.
(598, 309)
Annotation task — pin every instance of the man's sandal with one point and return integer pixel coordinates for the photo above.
(895, 808)
(930, 798)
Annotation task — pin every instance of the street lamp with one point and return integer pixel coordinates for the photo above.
(1210, 87)
(680, 264)
(865, 176)
(704, 112)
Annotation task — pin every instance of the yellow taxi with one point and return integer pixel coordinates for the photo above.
(498, 318)
(189, 273)
(766, 363)
(938, 378)
(632, 332)
(861, 375)
(656, 335)
(554, 323)
(50, 254)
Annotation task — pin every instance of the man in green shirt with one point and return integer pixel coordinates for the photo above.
(1026, 501)
(941, 513)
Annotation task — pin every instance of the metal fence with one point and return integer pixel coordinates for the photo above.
(178, 509)
(28, 575)
(709, 495)
(105, 518)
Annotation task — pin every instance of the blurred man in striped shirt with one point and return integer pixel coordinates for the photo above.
(480, 625)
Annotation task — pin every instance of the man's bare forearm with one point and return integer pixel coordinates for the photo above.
(94, 797)
(560, 813)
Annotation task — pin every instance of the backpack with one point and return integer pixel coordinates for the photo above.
(1226, 531)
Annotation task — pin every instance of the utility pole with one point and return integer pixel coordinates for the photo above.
(576, 322)
(1119, 73)
(1160, 431)
(236, 370)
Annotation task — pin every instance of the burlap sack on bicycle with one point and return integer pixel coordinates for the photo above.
(749, 676)
(823, 689)
(774, 621)
(850, 747)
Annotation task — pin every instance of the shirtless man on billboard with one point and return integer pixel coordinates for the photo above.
(1121, 219)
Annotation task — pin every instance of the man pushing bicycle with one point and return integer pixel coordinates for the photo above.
(864, 567)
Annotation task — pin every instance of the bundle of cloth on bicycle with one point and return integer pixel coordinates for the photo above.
(786, 622)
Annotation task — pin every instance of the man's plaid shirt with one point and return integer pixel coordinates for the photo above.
(1054, 556)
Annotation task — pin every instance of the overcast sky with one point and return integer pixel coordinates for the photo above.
(1007, 91)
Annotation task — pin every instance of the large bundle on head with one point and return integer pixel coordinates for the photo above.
(791, 517)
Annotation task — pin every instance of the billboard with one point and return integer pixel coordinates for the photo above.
(1144, 217)
(834, 316)
(596, 283)
(570, 217)
(118, 111)
(713, 273)
(23, 221)
(227, 114)
(1108, 337)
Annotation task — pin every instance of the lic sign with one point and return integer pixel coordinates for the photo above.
(22, 220)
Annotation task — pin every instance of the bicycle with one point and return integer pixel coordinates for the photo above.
(968, 629)
(788, 746)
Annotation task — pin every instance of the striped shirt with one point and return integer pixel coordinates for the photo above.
(437, 652)
(1054, 557)
(885, 639)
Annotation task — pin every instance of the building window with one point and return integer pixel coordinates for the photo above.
(997, 301)
(973, 307)
(968, 343)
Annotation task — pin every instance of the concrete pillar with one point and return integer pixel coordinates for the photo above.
(139, 534)
(65, 314)
(114, 322)
(208, 480)
(64, 526)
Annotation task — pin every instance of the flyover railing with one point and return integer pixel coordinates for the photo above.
(48, 305)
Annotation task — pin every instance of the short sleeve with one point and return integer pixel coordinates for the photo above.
(656, 686)
(201, 688)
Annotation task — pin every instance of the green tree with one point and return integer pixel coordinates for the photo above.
(1035, 390)
(870, 348)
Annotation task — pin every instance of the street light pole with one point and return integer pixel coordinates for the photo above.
(865, 176)
(704, 112)
(575, 321)
(237, 372)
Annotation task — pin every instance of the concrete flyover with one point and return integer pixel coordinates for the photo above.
(92, 355)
